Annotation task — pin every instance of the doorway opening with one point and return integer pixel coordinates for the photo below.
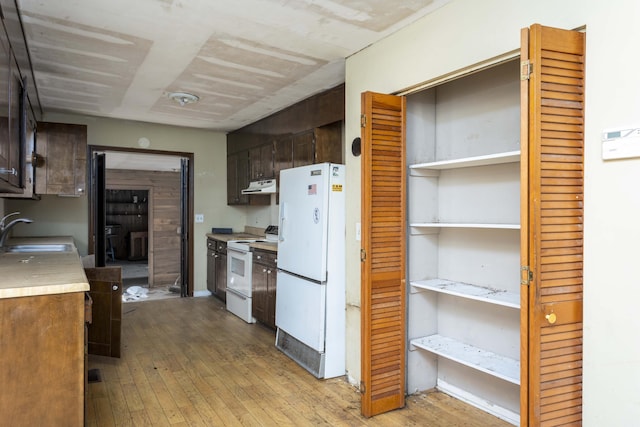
(146, 212)
(127, 239)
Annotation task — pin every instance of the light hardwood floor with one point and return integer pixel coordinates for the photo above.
(188, 362)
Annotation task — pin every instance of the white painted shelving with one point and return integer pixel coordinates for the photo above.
(473, 357)
(470, 291)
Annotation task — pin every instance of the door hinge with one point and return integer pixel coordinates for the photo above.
(526, 275)
(363, 388)
(363, 120)
(363, 255)
(525, 70)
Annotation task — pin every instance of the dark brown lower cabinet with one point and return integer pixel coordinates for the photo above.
(211, 266)
(217, 268)
(105, 285)
(263, 278)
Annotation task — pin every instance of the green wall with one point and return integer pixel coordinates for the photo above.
(66, 216)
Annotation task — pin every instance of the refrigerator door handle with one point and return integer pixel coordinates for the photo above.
(283, 212)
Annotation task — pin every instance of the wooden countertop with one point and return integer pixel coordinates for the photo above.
(267, 246)
(41, 273)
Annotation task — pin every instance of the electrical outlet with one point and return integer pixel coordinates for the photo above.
(199, 218)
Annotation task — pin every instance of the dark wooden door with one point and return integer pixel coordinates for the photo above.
(552, 226)
(98, 208)
(186, 230)
(105, 285)
(383, 311)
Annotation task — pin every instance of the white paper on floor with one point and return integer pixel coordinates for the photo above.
(134, 293)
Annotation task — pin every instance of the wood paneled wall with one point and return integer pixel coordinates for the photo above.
(164, 218)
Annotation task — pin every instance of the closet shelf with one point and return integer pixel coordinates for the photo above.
(474, 292)
(486, 160)
(485, 361)
(465, 225)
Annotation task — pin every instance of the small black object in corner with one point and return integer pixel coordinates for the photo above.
(355, 146)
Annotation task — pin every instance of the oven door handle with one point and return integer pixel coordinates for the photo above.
(237, 293)
(237, 250)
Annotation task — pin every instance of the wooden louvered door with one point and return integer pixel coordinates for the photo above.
(552, 227)
(383, 253)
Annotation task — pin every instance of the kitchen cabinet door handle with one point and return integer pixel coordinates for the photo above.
(114, 287)
(11, 171)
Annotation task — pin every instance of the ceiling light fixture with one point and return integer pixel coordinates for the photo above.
(183, 98)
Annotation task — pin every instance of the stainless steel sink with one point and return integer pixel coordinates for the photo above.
(44, 247)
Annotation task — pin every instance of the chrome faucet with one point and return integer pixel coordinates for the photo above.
(4, 229)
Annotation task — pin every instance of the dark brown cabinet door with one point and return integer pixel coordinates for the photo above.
(237, 178)
(211, 270)
(283, 155)
(221, 275)
(303, 149)
(261, 162)
(105, 285)
(5, 74)
(271, 298)
(64, 148)
(10, 144)
(264, 287)
(259, 283)
(328, 143)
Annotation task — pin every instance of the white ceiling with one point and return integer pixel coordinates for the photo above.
(245, 59)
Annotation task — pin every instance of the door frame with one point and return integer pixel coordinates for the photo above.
(189, 196)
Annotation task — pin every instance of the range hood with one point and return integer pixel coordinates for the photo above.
(261, 187)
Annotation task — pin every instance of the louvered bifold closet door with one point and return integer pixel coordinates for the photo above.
(383, 253)
(553, 202)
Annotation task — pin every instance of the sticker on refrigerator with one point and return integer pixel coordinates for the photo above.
(336, 187)
(316, 215)
(312, 189)
(336, 171)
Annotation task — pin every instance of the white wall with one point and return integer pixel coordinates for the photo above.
(69, 216)
(466, 32)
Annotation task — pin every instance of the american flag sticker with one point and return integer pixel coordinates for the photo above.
(312, 189)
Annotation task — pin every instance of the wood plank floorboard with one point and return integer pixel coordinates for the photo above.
(189, 362)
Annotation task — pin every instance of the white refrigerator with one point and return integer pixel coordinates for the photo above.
(310, 295)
